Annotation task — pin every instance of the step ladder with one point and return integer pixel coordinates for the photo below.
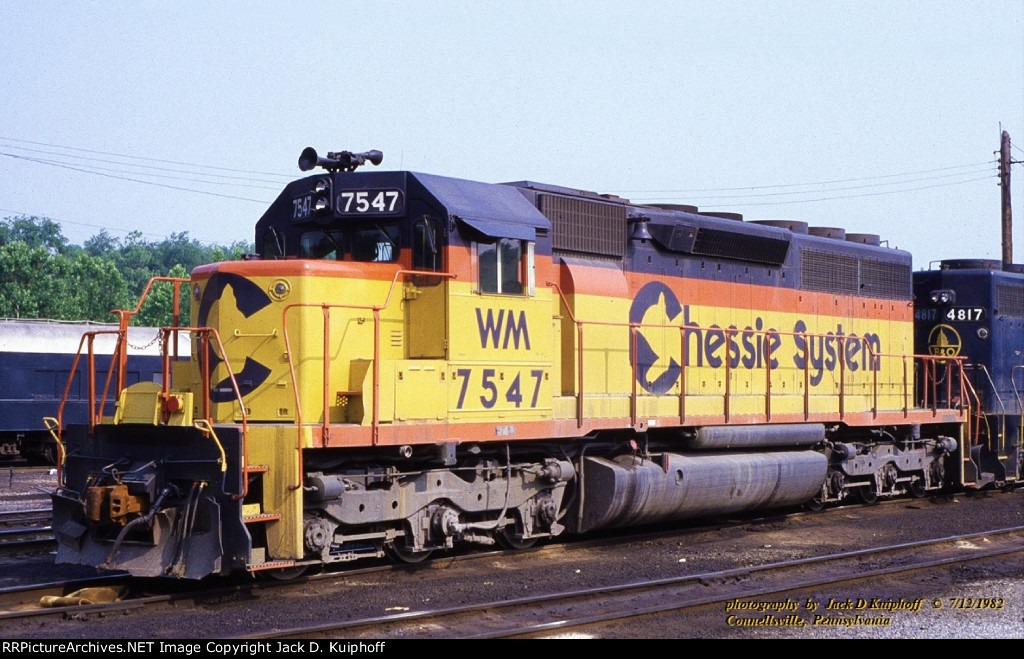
(252, 513)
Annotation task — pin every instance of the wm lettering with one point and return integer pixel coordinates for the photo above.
(498, 333)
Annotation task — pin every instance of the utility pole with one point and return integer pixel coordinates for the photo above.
(1004, 183)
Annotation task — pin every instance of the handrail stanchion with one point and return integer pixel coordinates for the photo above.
(726, 409)
(632, 396)
(579, 376)
(682, 374)
(376, 376)
(327, 372)
(375, 309)
(807, 378)
(91, 365)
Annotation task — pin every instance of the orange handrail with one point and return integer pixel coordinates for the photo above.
(873, 358)
(325, 308)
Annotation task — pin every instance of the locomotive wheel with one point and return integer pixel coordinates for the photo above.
(509, 539)
(868, 494)
(814, 505)
(917, 489)
(287, 573)
(398, 551)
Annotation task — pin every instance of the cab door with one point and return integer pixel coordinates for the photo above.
(427, 296)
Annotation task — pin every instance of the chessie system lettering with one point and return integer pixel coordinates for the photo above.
(755, 346)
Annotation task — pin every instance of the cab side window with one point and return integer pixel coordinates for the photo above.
(501, 266)
(426, 245)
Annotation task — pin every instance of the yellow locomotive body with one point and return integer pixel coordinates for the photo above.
(415, 361)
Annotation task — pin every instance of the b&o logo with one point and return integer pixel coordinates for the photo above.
(944, 341)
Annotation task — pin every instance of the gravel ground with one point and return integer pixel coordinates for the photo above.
(693, 551)
(22, 487)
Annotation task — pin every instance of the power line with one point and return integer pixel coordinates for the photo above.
(123, 155)
(134, 180)
(161, 169)
(833, 198)
(695, 195)
(96, 169)
(852, 187)
(976, 165)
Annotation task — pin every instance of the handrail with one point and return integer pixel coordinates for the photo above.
(119, 356)
(1013, 383)
(96, 415)
(872, 358)
(973, 402)
(124, 318)
(204, 426)
(119, 360)
(53, 426)
(999, 399)
(325, 308)
(204, 334)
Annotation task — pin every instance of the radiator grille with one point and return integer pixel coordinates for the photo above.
(843, 274)
(1010, 300)
(587, 227)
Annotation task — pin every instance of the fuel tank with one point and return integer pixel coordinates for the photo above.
(630, 490)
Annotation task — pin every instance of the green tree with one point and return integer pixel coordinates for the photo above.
(134, 260)
(43, 276)
(30, 286)
(158, 308)
(34, 232)
(40, 284)
(101, 244)
(95, 288)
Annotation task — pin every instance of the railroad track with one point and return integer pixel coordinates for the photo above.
(27, 517)
(546, 615)
(26, 530)
(558, 613)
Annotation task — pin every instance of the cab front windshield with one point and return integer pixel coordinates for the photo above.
(376, 243)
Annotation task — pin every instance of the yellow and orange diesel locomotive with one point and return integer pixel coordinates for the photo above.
(413, 361)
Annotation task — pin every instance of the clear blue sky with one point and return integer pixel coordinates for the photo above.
(875, 116)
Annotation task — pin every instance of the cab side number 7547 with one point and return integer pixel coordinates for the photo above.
(489, 383)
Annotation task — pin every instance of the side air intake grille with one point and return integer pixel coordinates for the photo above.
(587, 227)
(892, 281)
(1010, 300)
(843, 274)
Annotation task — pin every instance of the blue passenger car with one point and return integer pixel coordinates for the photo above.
(36, 357)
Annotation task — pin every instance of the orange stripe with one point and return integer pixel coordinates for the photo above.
(432, 433)
(604, 282)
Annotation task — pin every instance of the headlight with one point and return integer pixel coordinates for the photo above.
(943, 296)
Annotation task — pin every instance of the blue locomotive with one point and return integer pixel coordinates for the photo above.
(974, 308)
